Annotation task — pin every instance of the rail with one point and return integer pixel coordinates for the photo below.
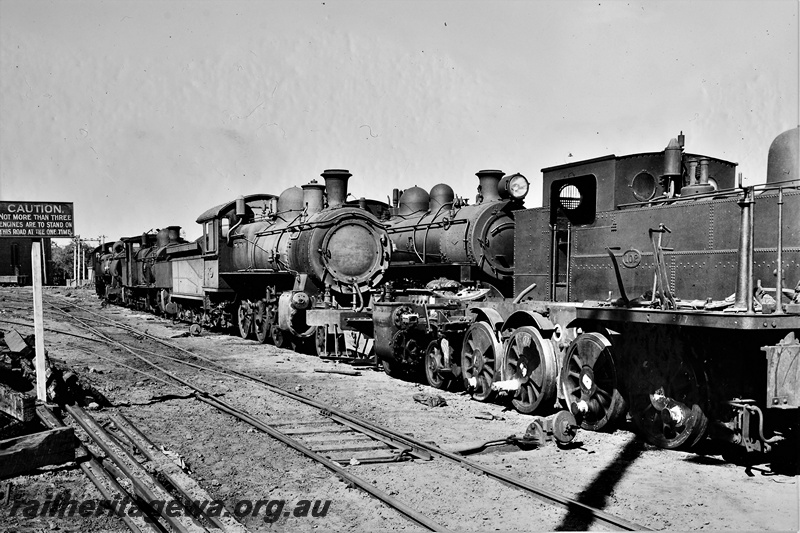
(417, 446)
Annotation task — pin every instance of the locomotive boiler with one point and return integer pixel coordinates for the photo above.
(435, 235)
(302, 254)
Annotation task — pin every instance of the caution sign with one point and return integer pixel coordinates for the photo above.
(36, 219)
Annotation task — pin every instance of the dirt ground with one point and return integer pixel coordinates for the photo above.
(616, 472)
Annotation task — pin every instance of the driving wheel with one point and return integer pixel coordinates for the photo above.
(589, 382)
(245, 321)
(478, 355)
(531, 360)
(261, 321)
(434, 363)
(668, 397)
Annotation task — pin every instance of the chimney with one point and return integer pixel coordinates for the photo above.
(336, 185)
(174, 233)
(488, 187)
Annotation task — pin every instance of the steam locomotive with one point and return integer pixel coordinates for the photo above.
(634, 292)
(268, 264)
(261, 263)
(630, 291)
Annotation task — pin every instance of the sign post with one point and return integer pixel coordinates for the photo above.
(35, 220)
(38, 323)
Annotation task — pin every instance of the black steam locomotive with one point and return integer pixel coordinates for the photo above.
(262, 262)
(651, 284)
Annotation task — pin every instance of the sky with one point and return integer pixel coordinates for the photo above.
(146, 113)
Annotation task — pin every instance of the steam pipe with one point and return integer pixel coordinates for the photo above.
(240, 215)
(779, 272)
(692, 172)
(703, 172)
(744, 269)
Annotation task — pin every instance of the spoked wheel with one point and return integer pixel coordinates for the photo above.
(589, 382)
(434, 362)
(667, 397)
(261, 322)
(282, 339)
(245, 316)
(532, 361)
(478, 356)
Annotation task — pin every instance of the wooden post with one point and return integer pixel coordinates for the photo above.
(44, 266)
(74, 261)
(80, 262)
(38, 323)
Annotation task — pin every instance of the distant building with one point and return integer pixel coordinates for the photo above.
(15, 261)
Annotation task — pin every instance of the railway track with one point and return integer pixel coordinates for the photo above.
(329, 436)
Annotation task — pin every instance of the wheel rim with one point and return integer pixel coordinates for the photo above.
(434, 361)
(589, 382)
(280, 337)
(320, 335)
(667, 398)
(478, 356)
(261, 322)
(531, 360)
(245, 320)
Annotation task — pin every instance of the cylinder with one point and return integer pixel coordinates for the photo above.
(336, 185)
(489, 179)
(313, 193)
(385, 328)
(241, 209)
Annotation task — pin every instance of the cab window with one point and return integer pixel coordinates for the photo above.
(210, 236)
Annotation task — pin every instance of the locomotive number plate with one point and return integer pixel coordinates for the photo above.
(631, 258)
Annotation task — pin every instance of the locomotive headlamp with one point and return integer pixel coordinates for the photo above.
(514, 186)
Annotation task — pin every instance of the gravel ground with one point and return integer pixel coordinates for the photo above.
(616, 472)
